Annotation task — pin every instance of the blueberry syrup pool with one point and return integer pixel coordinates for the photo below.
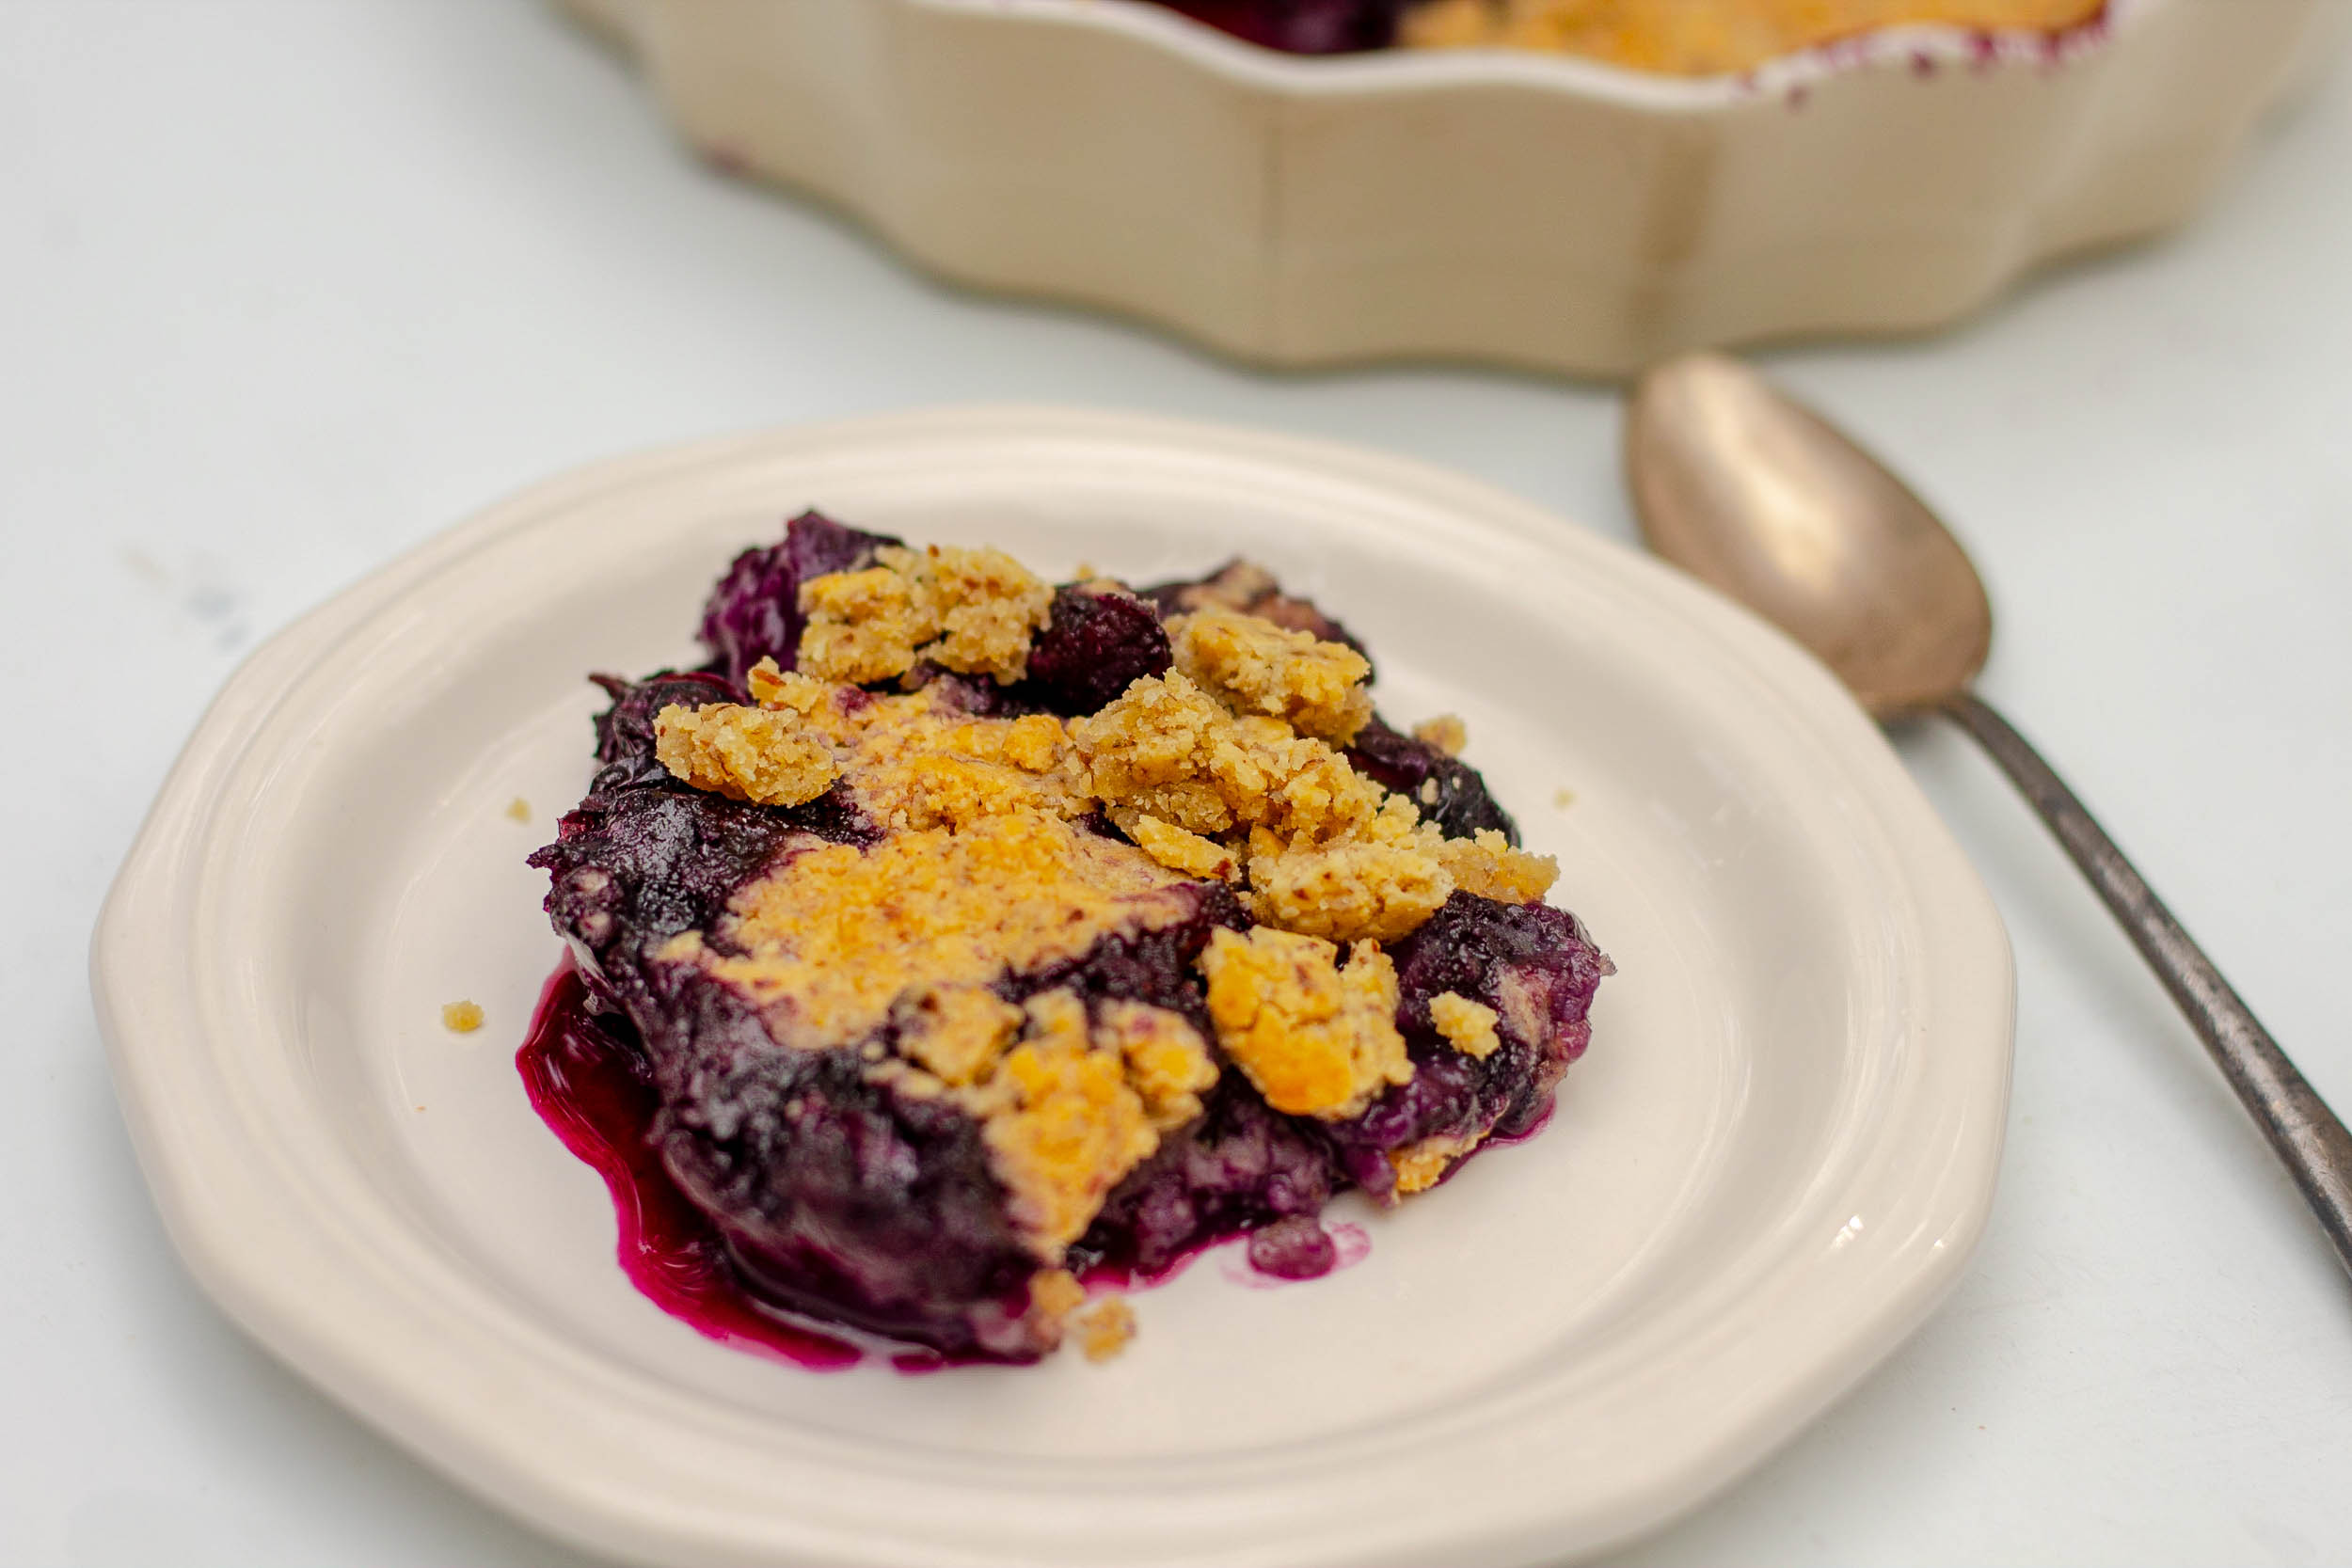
(592, 1086)
(590, 1083)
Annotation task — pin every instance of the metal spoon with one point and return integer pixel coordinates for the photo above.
(1757, 495)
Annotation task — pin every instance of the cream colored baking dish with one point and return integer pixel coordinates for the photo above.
(1510, 207)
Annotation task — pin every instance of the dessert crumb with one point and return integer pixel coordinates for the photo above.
(1446, 732)
(1563, 798)
(1104, 1328)
(1421, 1167)
(518, 809)
(1468, 1026)
(460, 1017)
(1055, 1293)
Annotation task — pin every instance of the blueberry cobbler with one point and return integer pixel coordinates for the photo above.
(962, 939)
(1685, 37)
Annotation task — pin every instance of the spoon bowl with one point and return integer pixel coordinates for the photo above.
(1757, 495)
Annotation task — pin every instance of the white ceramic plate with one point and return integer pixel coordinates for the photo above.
(1771, 1163)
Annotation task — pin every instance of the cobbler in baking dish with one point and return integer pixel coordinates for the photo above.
(958, 938)
(1685, 37)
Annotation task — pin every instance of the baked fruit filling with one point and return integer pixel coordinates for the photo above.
(976, 933)
(1685, 38)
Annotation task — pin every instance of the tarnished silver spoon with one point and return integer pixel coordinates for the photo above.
(1750, 491)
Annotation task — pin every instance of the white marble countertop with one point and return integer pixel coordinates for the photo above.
(288, 286)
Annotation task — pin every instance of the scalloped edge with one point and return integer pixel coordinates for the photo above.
(1300, 212)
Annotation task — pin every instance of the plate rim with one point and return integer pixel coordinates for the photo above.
(148, 1022)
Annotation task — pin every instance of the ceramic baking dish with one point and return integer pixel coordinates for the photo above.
(1509, 207)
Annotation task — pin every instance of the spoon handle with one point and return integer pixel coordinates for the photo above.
(2300, 1127)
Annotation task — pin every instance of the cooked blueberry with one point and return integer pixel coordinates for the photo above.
(754, 612)
(1293, 1247)
(1252, 590)
(1457, 802)
(1303, 26)
(1101, 640)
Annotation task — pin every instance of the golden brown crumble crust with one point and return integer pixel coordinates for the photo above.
(745, 753)
(1061, 1123)
(1487, 865)
(833, 935)
(1224, 769)
(1054, 1295)
(973, 611)
(1419, 1167)
(1315, 1039)
(1254, 667)
(1168, 748)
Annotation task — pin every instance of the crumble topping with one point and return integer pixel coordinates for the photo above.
(745, 753)
(1446, 732)
(460, 1017)
(1061, 1124)
(1168, 1062)
(1222, 769)
(1468, 1026)
(1166, 749)
(1420, 1166)
(1316, 1040)
(1487, 864)
(518, 809)
(862, 625)
(833, 935)
(793, 689)
(915, 761)
(1175, 849)
(1383, 877)
(989, 607)
(1066, 1107)
(955, 1033)
(1347, 891)
(1104, 1329)
(1055, 1293)
(1255, 667)
(973, 611)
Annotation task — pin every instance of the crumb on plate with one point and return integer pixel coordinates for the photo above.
(1104, 1328)
(1446, 732)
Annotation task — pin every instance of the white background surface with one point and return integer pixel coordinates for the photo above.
(286, 287)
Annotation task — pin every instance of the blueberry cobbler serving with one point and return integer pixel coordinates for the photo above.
(952, 940)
